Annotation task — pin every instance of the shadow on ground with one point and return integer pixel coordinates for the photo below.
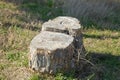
(102, 37)
(109, 65)
(102, 66)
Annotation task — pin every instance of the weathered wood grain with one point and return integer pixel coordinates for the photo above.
(48, 51)
(70, 26)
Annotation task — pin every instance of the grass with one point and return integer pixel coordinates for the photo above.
(104, 45)
(102, 14)
(8, 6)
(20, 23)
(34, 77)
(104, 41)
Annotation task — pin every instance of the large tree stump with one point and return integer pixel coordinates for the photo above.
(51, 51)
(69, 26)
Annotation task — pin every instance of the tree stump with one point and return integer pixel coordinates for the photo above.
(69, 26)
(51, 51)
(58, 47)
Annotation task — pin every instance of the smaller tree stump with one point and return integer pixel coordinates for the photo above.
(51, 51)
(66, 25)
(69, 26)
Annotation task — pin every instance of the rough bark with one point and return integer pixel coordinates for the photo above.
(51, 51)
(70, 26)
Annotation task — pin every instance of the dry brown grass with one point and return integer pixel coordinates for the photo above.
(102, 12)
(94, 8)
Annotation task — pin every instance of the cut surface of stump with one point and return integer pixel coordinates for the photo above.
(51, 51)
(66, 25)
(69, 26)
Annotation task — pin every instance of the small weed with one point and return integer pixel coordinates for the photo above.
(3, 66)
(2, 77)
(60, 76)
(65, 76)
(20, 58)
(35, 77)
(13, 56)
(50, 3)
(25, 62)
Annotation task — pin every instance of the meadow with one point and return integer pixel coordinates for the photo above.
(21, 20)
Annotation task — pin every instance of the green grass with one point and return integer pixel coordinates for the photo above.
(4, 5)
(35, 77)
(43, 12)
(104, 43)
(20, 23)
(19, 57)
(2, 77)
(65, 76)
